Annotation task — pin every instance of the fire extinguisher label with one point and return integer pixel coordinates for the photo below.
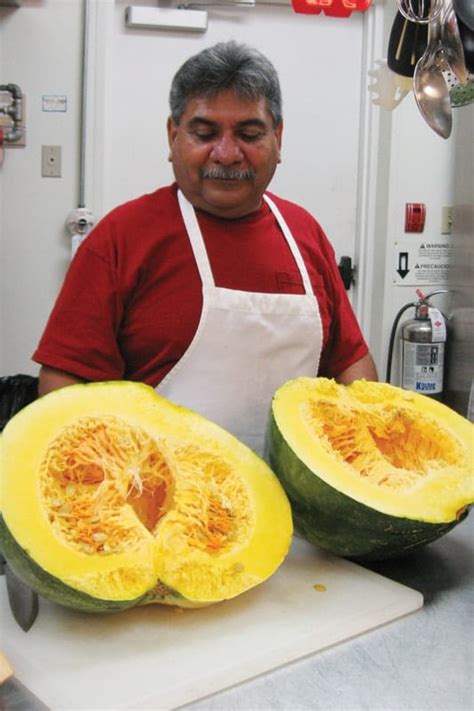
(423, 365)
(438, 325)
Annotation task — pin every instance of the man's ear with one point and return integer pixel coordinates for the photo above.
(172, 130)
(278, 135)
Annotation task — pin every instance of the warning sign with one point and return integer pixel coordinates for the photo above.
(422, 263)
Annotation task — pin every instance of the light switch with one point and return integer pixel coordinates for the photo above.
(446, 220)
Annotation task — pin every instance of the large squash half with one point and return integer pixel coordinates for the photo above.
(371, 470)
(111, 496)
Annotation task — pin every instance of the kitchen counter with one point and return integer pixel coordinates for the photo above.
(422, 662)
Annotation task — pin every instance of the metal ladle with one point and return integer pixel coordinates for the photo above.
(430, 88)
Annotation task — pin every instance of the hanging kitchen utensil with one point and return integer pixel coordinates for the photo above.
(464, 9)
(467, 39)
(421, 11)
(451, 42)
(429, 85)
(388, 88)
(459, 95)
(332, 8)
(406, 45)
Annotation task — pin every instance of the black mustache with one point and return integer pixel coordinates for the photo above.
(223, 173)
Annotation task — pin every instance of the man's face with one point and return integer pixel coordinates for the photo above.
(224, 153)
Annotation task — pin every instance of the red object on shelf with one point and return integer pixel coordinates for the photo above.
(333, 8)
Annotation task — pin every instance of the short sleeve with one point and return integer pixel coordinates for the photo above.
(81, 334)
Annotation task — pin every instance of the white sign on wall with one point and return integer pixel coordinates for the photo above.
(54, 103)
(418, 263)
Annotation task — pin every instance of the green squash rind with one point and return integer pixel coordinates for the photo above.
(51, 588)
(337, 523)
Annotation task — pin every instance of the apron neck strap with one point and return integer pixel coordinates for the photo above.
(200, 254)
(195, 237)
(291, 244)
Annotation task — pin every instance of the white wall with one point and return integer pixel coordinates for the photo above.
(422, 169)
(40, 52)
(320, 61)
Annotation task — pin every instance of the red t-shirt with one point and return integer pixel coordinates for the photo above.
(131, 299)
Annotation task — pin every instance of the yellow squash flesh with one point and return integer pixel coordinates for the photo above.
(396, 451)
(119, 494)
(371, 471)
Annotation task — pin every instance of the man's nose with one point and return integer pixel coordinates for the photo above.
(226, 150)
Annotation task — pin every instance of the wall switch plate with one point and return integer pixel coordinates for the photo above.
(446, 220)
(51, 161)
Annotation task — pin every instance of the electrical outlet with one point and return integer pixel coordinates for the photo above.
(51, 161)
(446, 220)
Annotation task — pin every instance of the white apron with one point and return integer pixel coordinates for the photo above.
(246, 345)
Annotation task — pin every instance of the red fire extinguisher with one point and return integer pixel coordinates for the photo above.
(422, 348)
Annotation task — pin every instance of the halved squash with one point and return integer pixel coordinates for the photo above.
(111, 496)
(371, 470)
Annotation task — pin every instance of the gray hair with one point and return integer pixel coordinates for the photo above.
(227, 65)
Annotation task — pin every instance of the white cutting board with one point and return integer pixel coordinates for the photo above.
(158, 658)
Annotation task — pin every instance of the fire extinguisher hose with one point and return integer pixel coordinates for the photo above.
(392, 339)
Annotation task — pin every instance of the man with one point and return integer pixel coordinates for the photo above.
(211, 290)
